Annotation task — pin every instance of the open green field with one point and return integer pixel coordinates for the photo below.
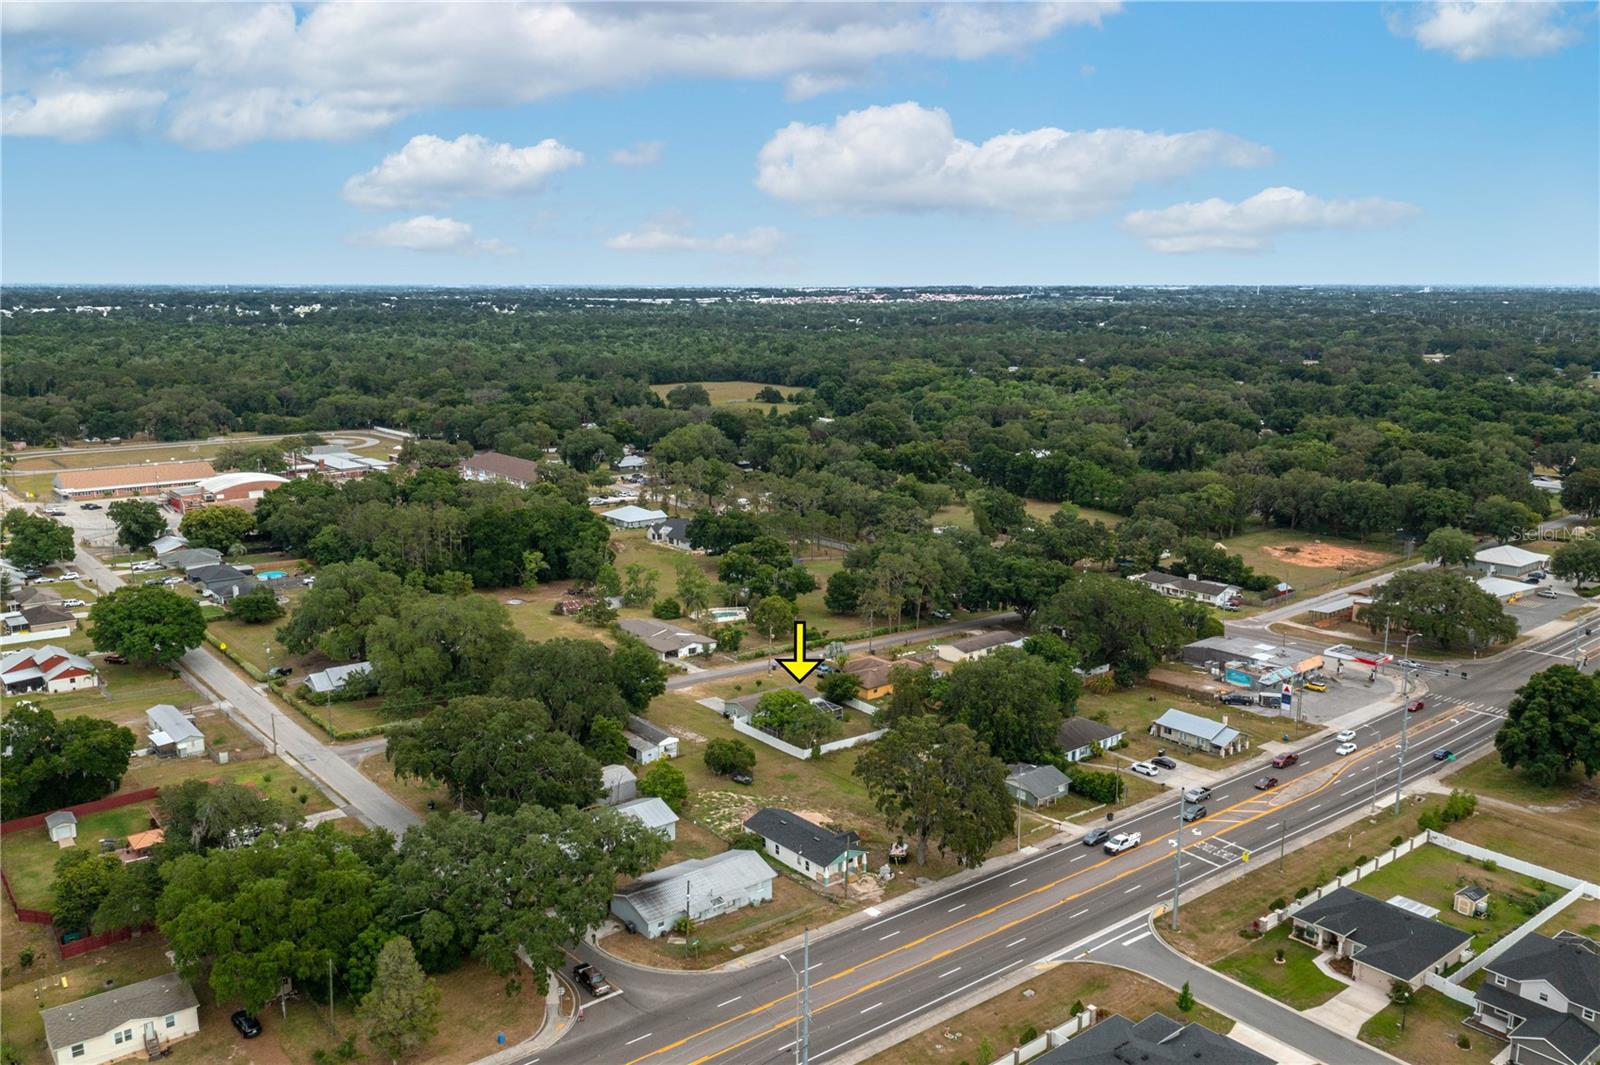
(1310, 563)
(1526, 834)
(1582, 917)
(1003, 1020)
(1488, 776)
(1430, 875)
(1297, 982)
(732, 393)
(960, 515)
(1432, 1023)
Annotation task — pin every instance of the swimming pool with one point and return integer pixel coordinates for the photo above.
(724, 614)
(272, 575)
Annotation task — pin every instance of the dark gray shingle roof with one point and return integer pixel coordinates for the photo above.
(1571, 969)
(812, 842)
(1157, 1040)
(1078, 732)
(1391, 940)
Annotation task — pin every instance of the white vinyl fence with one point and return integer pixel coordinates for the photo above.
(1049, 1040)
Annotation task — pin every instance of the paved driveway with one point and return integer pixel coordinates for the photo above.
(1349, 1009)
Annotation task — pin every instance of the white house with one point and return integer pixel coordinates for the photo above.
(630, 463)
(62, 827)
(1200, 733)
(1509, 560)
(666, 639)
(980, 646)
(653, 814)
(807, 848)
(700, 889)
(632, 517)
(646, 742)
(140, 1020)
(1212, 593)
(173, 733)
(47, 668)
(674, 532)
(330, 680)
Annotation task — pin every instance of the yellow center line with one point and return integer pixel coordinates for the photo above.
(1339, 771)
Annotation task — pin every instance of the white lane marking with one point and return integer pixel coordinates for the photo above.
(913, 1011)
(891, 935)
(958, 906)
(1080, 913)
(1131, 890)
(872, 1007)
(730, 1002)
(1091, 937)
(1352, 791)
(1135, 939)
(1309, 809)
(965, 887)
(1196, 854)
(951, 972)
(1080, 858)
(635, 1039)
(1014, 942)
(1024, 880)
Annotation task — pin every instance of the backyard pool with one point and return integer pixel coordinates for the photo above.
(272, 575)
(722, 615)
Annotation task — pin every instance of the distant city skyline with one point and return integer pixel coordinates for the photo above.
(1452, 144)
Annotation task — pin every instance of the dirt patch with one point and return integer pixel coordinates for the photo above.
(1326, 556)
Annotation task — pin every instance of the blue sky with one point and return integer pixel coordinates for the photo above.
(1452, 143)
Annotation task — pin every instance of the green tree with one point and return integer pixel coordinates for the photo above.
(839, 687)
(255, 607)
(606, 743)
(495, 755)
(1449, 547)
(81, 884)
(996, 511)
(582, 681)
(441, 645)
(1580, 491)
(534, 880)
(694, 587)
(1441, 605)
(199, 815)
(936, 780)
(773, 616)
(916, 691)
(1552, 724)
(336, 616)
(153, 625)
(257, 916)
(401, 1012)
(639, 584)
(666, 782)
(1400, 996)
(1185, 999)
(130, 898)
(50, 764)
(138, 521)
(726, 757)
(1503, 518)
(1577, 561)
(789, 715)
(587, 449)
(1009, 699)
(534, 566)
(687, 397)
(637, 671)
(843, 594)
(220, 527)
(35, 541)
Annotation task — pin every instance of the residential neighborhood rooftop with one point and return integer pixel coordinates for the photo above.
(1156, 1040)
(787, 829)
(88, 1018)
(1392, 940)
(661, 895)
(1195, 725)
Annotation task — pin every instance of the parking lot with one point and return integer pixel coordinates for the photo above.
(94, 527)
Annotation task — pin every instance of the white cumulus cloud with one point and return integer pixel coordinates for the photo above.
(1251, 224)
(430, 170)
(641, 154)
(428, 233)
(671, 233)
(238, 72)
(1480, 29)
(907, 157)
(78, 114)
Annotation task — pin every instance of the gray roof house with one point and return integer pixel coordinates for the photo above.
(1543, 995)
(702, 888)
(1190, 587)
(168, 543)
(139, 1019)
(647, 742)
(978, 646)
(808, 848)
(173, 733)
(1156, 1040)
(1077, 736)
(1201, 733)
(666, 639)
(187, 558)
(330, 680)
(674, 532)
(1036, 785)
(1383, 941)
(652, 813)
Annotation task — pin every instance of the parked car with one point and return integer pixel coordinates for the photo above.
(248, 1026)
(1347, 735)
(1199, 794)
(1532, 578)
(1235, 699)
(1538, 574)
(73, 602)
(1264, 783)
(1415, 707)
(170, 581)
(116, 660)
(1164, 762)
(743, 778)
(1096, 836)
(42, 579)
(1193, 813)
(1443, 754)
(1316, 686)
(1547, 593)
(1285, 760)
(145, 566)
(942, 615)
(280, 671)
(55, 512)
(594, 983)
(1145, 769)
(1122, 841)
(154, 580)
(90, 506)
(70, 575)
(1345, 748)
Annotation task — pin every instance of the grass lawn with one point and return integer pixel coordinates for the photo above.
(1002, 1020)
(1488, 776)
(1297, 982)
(378, 769)
(1582, 917)
(1432, 1024)
(1527, 834)
(1430, 875)
(31, 485)
(125, 693)
(1309, 563)
(733, 393)
(1135, 708)
(960, 515)
(30, 858)
(256, 644)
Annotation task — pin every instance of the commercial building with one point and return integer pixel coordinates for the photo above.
(1248, 663)
(150, 478)
(1509, 560)
(633, 517)
(240, 490)
(700, 889)
(139, 1020)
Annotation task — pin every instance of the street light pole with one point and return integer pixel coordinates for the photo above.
(1177, 864)
(802, 991)
(1405, 719)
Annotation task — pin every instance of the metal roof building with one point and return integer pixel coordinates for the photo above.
(652, 813)
(703, 888)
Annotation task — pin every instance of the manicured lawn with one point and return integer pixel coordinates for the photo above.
(1430, 875)
(30, 858)
(125, 693)
(1432, 1024)
(1002, 1020)
(1297, 982)
(256, 644)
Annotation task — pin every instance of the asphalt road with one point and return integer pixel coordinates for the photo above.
(1042, 908)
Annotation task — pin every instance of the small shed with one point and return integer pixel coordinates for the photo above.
(653, 814)
(173, 733)
(63, 828)
(1472, 901)
(619, 783)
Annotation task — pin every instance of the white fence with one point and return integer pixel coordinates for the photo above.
(1273, 920)
(744, 728)
(1049, 1040)
(60, 632)
(1505, 861)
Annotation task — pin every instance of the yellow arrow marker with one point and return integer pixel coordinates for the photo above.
(799, 666)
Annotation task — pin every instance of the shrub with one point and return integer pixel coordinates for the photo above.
(1430, 820)
(1029, 1034)
(1490, 865)
(1077, 1006)
(1361, 860)
(666, 609)
(746, 841)
(1343, 869)
(25, 958)
(1301, 893)
(1278, 954)
(1277, 903)
(1185, 998)
(1459, 806)
(1393, 843)
(985, 1049)
(723, 757)
(1463, 1042)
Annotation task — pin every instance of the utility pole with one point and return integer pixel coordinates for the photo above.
(1405, 719)
(1177, 864)
(335, 1027)
(805, 997)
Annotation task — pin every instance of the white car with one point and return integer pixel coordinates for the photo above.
(1122, 841)
(71, 575)
(45, 580)
(1145, 769)
(146, 566)
(170, 581)
(1345, 748)
(1347, 735)
(73, 602)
